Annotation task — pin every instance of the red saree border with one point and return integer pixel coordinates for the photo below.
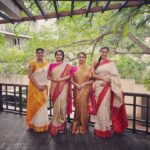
(104, 134)
(106, 61)
(92, 106)
(53, 66)
(53, 129)
(102, 95)
(59, 87)
(119, 117)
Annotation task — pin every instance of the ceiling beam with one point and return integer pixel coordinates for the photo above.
(123, 5)
(21, 5)
(72, 7)
(75, 12)
(9, 8)
(106, 5)
(142, 2)
(56, 9)
(41, 9)
(7, 18)
(89, 7)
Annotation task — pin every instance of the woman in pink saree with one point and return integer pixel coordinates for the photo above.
(60, 92)
(109, 97)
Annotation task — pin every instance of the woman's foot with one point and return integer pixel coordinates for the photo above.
(83, 130)
(75, 131)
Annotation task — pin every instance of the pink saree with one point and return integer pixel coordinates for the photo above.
(60, 95)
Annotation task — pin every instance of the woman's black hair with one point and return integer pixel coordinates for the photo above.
(105, 47)
(39, 49)
(61, 52)
(82, 54)
(99, 60)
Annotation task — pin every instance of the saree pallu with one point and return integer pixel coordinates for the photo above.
(60, 95)
(37, 115)
(110, 104)
(81, 100)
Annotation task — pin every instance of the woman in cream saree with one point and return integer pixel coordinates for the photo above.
(37, 115)
(60, 93)
(109, 98)
(82, 89)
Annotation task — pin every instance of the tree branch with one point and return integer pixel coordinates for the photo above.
(146, 50)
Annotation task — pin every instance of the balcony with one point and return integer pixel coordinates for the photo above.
(14, 135)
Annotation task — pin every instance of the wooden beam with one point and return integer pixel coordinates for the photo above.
(5, 17)
(41, 9)
(9, 8)
(106, 5)
(56, 9)
(72, 7)
(123, 5)
(21, 5)
(75, 12)
(141, 4)
(89, 7)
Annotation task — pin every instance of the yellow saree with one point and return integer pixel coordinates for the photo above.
(37, 115)
(81, 97)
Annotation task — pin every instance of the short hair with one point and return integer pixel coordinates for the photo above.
(39, 49)
(82, 54)
(59, 50)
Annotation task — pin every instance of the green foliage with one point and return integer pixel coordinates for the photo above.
(79, 33)
(131, 68)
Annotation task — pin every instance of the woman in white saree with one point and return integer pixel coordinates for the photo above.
(60, 92)
(109, 97)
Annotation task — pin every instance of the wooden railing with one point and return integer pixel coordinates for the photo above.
(13, 99)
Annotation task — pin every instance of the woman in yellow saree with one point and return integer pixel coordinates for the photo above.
(82, 89)
(37, 115)
(109, 97)
(60, 92)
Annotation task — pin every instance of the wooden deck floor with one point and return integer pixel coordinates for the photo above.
(15, 136)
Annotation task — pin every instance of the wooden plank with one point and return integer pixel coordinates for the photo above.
(89, 7)
(106, 5)
(21, 5)
(72, 7)
(4, 16)
(9, 7)
(14, 135)
(56, 9)
(41, 9)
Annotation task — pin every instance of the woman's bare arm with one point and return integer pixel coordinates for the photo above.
(87, 83)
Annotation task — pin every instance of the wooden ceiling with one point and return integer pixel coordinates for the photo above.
(12, 11)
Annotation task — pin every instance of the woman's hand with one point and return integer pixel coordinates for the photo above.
(42, 88)
(57, 80)
(82, 85)
(78, 86)
(106, 79)
(61, 79)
